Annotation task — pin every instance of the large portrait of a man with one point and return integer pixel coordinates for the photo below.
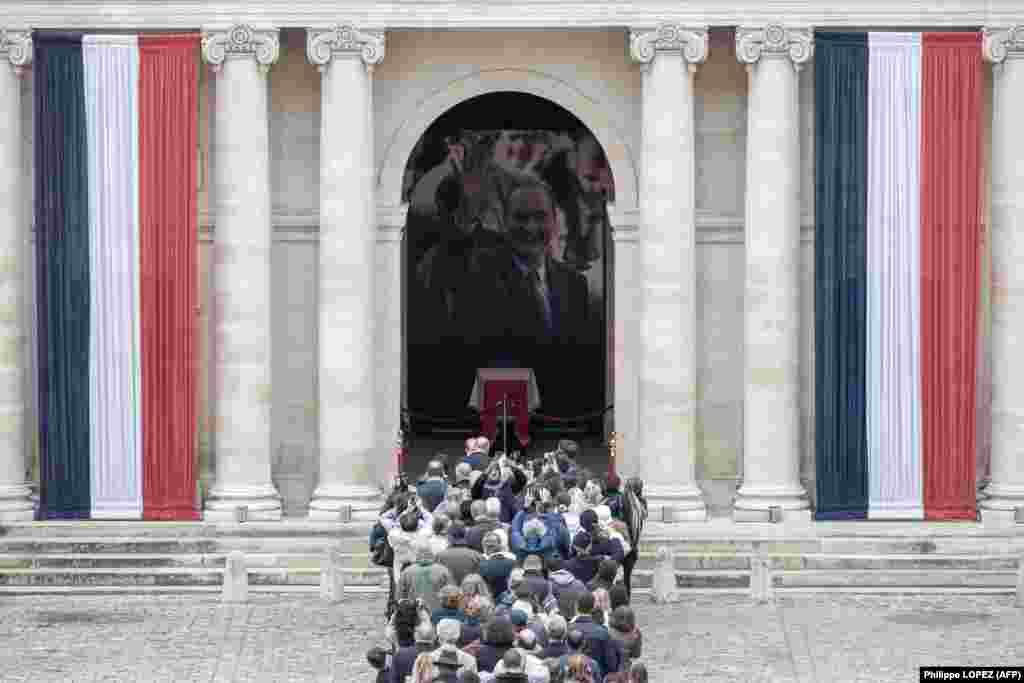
(505, 266)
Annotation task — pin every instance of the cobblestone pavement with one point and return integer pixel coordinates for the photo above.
(300, 638)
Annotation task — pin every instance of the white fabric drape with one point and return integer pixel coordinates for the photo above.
(895, 480)
(111, 66)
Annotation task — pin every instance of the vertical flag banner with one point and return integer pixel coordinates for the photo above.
(840, 200)
(169, 129)
(897, 273)
(116, 216)
(62, 272)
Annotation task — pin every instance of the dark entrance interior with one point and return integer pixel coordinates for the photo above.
(459, 182)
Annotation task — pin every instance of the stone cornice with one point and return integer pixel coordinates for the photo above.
(324, 44)
(774, 39)
(490, 14)
(17, 47)
(998, 44)
(241, 39)
(692, 41)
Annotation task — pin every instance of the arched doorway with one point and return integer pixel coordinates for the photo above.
(465, 305)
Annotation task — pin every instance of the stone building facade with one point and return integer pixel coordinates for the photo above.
(705, 113)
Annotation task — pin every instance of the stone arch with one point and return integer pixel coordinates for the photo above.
(625, 172)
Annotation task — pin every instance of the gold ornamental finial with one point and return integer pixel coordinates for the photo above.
(612, 445)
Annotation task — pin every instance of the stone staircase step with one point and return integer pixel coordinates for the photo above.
(109, 529)
(896, 578)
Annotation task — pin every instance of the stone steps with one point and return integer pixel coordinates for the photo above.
(284, 557)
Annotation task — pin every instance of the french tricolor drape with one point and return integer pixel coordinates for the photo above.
(116, 217)
(897, 287)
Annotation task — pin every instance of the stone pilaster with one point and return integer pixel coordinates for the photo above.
(626, 354)
(346, 57)
(669, 56)
(15, 503)
(771, 434)
(1004, 48)
(241, 57)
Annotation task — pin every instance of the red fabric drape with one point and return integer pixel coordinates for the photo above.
(519, 407)
(951, 136)
(168, 130)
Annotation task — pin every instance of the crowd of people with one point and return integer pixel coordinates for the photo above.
(510, 570)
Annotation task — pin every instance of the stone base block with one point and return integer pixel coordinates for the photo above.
(16, 503)
(999, 519)
(345, 503)
(252, 515)
(789, 517)
(673, 514)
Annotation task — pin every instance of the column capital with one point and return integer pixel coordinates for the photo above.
(1000, 43)
(774, 39)
(241, 39)
(324, 44)
(16, 46)
(692, 41)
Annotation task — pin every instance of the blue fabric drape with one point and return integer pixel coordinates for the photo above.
(840, 193)
(62, 257)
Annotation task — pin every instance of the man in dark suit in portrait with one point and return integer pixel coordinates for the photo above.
(530, 309)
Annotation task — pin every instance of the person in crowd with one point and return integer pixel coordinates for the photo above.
(451, 606)
(511, 668)
(474, 587)
(425, 636)
(525, 618)
(622, 627)
(477, 611)
(490, 521)
(605, 651)
(449, 631)
(605, 546)
(378, 659)
(618, 596)
(476, 453)
(423, 669)
(477, 515)
(423, 581)
(536, 670)
(438, 534)
(607, 570)
(613, 495)
(565, 587)
(571, 520)
(579, 670)
(458, 557)
(405, 538)
(508, 598)
(557, 632)
(578, 647)
(538, 584)
(402, 660)
(496, 565)
(451, 505)
(447, 665)
(433, 489)
(613, 527)
(463, 472)
(583, 565)
(499, 638)
(638, 673)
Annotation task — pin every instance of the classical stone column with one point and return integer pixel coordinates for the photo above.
(626, 356)
(241, 273)
(346, 57)
(771, 432)
(15, 55)
(1005, 49)
(668, 372)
